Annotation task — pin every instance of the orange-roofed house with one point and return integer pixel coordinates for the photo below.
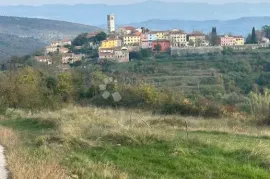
(126, 30)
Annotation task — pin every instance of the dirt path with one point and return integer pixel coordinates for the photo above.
(3, 170)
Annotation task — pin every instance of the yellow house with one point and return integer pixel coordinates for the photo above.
(111, 43)
(167, 35)
(196, 38)
(238, 40)
(161, 35)
(132, 40)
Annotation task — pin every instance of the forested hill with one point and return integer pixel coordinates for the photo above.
(42, 29)
(13, 45)
(21, 36)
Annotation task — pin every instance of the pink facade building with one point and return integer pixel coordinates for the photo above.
(144, 37)
(146, 44)
(226, 40)
(164, 44)
(147, 39)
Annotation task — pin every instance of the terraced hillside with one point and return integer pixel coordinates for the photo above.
(185, 76)
(210, 75)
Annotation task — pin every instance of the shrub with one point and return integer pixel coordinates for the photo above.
(182, 109)
(234, 99)
(213, 110)
(260, 105)
(148, 93)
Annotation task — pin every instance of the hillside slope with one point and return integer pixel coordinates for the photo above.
(21, 36)
(12, 45)
(42, 29)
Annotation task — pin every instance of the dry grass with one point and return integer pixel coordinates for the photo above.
(22, 164)
(83, 167)
(91, 127)
(81, 122)
(260, 105)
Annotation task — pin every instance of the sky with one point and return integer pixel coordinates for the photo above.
(39, 2)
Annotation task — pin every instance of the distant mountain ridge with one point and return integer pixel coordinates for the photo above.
(241, 26)
(95, 14)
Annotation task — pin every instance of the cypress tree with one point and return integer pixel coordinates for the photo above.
(253, 36)
(214, 37)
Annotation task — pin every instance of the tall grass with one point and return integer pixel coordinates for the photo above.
(260, 105)
(122, 143)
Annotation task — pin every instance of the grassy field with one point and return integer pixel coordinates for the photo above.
(103, 143)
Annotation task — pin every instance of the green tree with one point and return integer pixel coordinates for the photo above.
(144, 30)
(135, 55)
(248, 39)
(191, 43)
(80, 40)
(253, 36)
(264, 79)
(64, 85)
(51, 83)
(214, 37)
(157, 48)
(30, 96)
(198, 42)
(146, 53)
(100, 37)
(266, 30)
(9, 85)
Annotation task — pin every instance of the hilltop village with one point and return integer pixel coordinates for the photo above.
(118, 43)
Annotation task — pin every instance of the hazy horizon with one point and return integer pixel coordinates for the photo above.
(128, 14)
(110, 2)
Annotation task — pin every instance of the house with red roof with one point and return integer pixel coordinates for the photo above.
(126, 30)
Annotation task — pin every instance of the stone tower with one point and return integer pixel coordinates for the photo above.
(111, 23)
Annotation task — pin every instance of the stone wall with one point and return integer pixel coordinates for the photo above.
(195, 50)
(250, 46)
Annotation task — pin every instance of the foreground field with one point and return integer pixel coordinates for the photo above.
(103, 143)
